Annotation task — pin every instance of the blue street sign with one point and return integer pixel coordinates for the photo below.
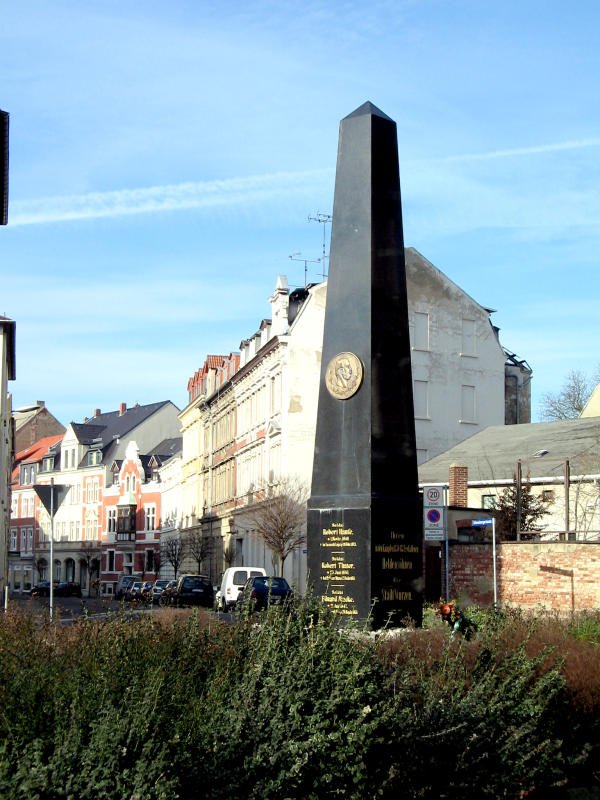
(481, 523)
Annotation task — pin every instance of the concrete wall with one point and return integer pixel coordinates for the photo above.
(558, 576)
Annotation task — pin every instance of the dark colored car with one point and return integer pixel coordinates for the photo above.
(263, 591)
(194, 590)
(41, 589)
(67, 589)
(157, 589)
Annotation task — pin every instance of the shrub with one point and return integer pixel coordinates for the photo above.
(290, 707)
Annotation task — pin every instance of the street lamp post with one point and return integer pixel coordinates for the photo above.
(51, 593)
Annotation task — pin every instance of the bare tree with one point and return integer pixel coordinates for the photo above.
(198, 547)
(229, 554)
(279, 517)
(568, 403)
(90, 558)
(174, 552)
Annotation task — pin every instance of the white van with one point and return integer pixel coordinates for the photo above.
(233, 580)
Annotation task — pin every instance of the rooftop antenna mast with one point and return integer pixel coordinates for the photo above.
(323, 219)
(307, 261)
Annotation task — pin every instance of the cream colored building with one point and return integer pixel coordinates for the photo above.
(252, 419)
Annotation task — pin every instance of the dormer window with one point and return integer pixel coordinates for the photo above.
(94, 458)
(27, 474)
(48, 464)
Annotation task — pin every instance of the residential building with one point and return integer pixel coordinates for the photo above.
(559, 460)
(7, 448)
(33, 423)
(592, 407)
(23, 569)
(251, 419)
(85, 461)
(463, 379)
(132, 509)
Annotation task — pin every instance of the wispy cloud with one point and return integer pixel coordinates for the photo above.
(535, 150)
(249, 191)
(172, 197)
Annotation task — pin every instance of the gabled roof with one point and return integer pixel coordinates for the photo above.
(542, 447)
(34, 453)
(114, 424)
(168, 448)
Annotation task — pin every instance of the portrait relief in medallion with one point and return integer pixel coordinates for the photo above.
(344, 375)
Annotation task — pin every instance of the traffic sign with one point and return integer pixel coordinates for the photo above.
(433, 496)
(433, 516)
(481, 523)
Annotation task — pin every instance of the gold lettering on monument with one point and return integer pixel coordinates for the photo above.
(337, 569)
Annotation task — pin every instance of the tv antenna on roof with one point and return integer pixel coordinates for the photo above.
(323, 219)
(307, 261)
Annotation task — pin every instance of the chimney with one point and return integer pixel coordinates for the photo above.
(457, 485)
(122, 409)
(40, 403)
(97, 412)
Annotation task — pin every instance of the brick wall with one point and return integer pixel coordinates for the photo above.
(560, 576)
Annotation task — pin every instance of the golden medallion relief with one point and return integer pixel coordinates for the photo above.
(344, 375)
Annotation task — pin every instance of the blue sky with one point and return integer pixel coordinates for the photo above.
(166, 155)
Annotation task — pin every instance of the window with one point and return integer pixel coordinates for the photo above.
(467, 404)
(111, 561)
(150, 518)
(13, 538)
(48, 464)
(421, 399)
(149, 560)
(488, 501)
(469, 342)
(421, 331)
(112, 520)
(92, 491)
(29, 540)
(94, 457)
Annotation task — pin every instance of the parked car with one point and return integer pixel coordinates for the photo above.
(134, 591)
(232, 582)
(124, 583)
(158, 588)
(190, 590)
(41, 589)
(67, 589)
(262, 591)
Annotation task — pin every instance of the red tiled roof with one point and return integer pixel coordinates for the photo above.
(34, 452)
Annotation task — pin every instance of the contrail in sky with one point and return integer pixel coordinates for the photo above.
(218, 193)
(524, 151)
(172, 197)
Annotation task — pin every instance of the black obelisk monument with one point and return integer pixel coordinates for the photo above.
(364, 513)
